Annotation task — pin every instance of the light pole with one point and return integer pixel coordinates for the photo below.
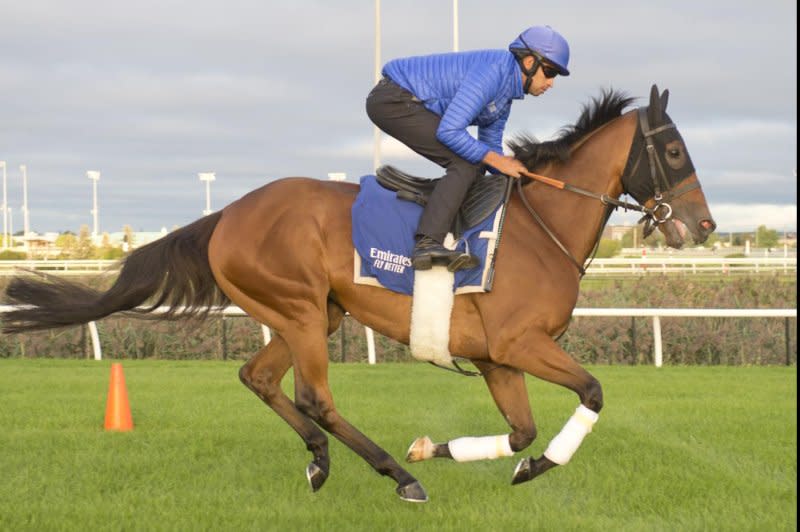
(25, 219)
(376, 133)
(208, 177)
(455, 25)
(5, 207)
(94, 175)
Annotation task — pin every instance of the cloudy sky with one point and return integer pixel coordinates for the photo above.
(150, 93)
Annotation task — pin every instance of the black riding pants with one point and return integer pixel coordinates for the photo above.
(400, 114)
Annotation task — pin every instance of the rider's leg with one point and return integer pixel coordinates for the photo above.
(398, 113)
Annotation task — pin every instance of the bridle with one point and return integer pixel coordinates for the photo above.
(657, 175)
(654, 216)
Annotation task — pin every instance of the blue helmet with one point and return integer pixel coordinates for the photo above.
(546, 42)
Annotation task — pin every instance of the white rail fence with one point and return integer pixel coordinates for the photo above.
(634, 265)
(656, 314)
(674, 264)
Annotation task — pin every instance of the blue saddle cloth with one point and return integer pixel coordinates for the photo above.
(383, 236)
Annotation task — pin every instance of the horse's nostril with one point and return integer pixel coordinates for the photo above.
(708, 225)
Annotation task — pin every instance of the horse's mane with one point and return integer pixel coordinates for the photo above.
(598, 112)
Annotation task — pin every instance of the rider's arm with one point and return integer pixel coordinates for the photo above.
(477, 89)
(492, 136)
(474, 93)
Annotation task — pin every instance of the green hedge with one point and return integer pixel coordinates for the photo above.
(589, 339)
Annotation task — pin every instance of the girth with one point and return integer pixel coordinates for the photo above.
(483, 197)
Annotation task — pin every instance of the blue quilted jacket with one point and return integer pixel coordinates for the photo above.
(464, 88)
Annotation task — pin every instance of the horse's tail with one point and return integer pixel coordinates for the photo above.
(173, 272)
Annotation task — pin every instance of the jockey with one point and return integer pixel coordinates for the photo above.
(427, 103)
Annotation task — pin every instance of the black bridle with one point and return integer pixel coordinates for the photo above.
(664, 192)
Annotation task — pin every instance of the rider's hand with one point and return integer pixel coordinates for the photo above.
(505, 164)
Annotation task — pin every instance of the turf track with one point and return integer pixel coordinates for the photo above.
(676, 448)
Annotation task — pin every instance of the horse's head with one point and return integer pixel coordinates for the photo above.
(660, 175)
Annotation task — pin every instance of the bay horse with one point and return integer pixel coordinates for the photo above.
(284, 254)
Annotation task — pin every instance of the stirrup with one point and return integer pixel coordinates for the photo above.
(422, 262)
(465, 261)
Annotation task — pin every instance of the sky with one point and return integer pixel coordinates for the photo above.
(151, 93)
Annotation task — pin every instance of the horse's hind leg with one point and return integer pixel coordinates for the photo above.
(313, 397)
(507, 386)
(263, 374)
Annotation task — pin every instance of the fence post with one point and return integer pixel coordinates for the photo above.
(343, 341)
(84, 347)
(657, 355)
(786, 337)
(98, 355)
(633, 339)
(224, 339)
(370, 345)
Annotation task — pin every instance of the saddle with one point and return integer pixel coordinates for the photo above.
(483, 197)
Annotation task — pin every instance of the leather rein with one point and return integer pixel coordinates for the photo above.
(651, 216)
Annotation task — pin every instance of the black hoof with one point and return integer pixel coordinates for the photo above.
(528, 469)
(316, 476)
(523, 471)
(413, 492)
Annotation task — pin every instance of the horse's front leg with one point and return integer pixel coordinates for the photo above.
(507, 386)
(537, 354)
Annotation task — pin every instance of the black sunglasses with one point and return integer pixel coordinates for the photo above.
(548, 71)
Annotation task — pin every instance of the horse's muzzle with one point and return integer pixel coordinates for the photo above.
(705, 228)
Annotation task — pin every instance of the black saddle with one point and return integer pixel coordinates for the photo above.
(484, 196)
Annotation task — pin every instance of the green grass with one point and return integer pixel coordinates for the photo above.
(676, 448)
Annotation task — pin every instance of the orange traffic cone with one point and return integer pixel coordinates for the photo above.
(118, 411)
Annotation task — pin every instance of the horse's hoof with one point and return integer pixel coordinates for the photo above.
(421, 449)
(523, 471)
(413, 492)
(316, 476)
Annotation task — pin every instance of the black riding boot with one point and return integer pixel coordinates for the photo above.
(428, 252)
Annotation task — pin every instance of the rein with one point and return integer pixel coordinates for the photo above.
(651, 216)
(605, 199)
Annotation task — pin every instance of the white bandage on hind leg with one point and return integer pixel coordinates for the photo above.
(484, 448)
(564, 445)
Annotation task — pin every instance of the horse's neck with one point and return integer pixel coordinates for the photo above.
(596, 165)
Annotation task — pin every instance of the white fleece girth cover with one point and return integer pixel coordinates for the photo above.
(430, 315)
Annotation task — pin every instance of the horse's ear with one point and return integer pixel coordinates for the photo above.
(664, 100)
(653, 94)
(654, 110)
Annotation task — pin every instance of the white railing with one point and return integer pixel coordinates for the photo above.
(656, 314)
(59, 266)
(631, 265)
(678, 264)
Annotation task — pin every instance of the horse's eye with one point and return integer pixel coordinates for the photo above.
(675, 154)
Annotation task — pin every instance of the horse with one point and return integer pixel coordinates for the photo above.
(284, 254)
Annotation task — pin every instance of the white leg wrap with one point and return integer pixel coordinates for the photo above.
(569, 439)
(485, 448)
